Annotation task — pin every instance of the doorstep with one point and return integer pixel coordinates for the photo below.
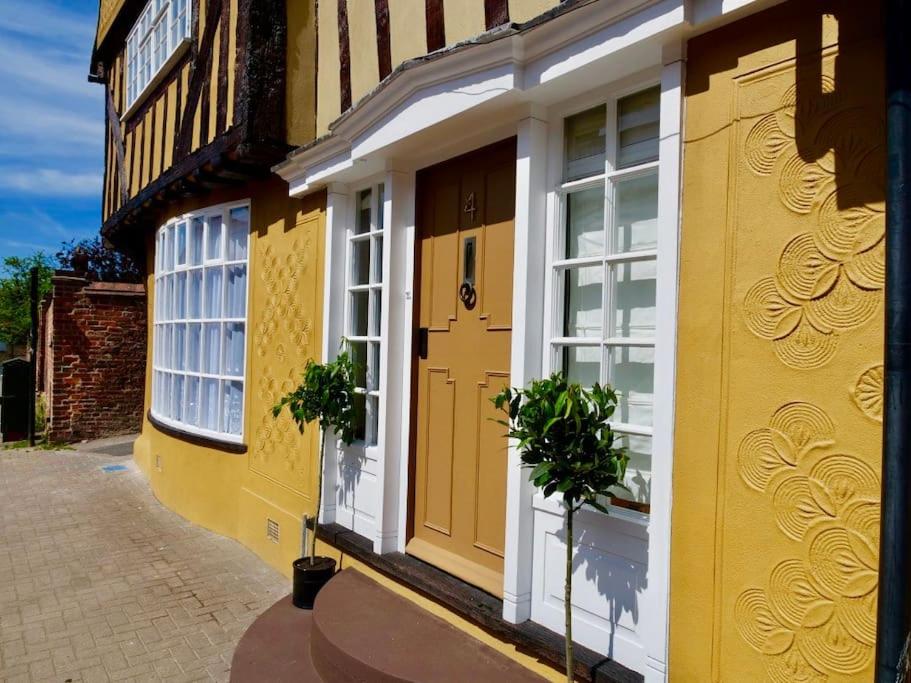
(475, 605)
(360, 631)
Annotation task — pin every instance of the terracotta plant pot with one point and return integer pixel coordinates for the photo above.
(309, 579)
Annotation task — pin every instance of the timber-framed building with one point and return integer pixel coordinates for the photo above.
(680, 198)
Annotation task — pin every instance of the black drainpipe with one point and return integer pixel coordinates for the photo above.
(894, 609)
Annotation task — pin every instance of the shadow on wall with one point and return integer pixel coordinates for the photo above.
(618, 580)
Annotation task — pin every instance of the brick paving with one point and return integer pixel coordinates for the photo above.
(100, 582)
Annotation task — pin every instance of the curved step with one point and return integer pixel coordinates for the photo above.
(276, 647)
(363, 632)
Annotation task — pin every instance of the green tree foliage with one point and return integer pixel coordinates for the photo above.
(325, 395)
(15, 283)
(101, 264)
(564, 436)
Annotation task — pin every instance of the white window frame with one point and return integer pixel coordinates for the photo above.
(557, 264)
(161, 274)
(144, 68)
(374, 288)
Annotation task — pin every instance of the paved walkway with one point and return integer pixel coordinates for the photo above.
(100, 582)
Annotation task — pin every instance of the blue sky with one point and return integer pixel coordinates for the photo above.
(51, 125)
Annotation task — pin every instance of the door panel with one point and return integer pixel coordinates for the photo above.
(465, 210)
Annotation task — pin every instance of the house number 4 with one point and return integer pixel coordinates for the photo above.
(470, 206)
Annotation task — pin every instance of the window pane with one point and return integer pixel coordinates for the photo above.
(585, 223)
(236, 292)
(213, 237)
(238, 229)
(582, 364)
(359, 359)
(358, 314)
(360, 417)
(178, 397)
(194, 346)
(360, 262)
(376, 312)
(362, 220)
(194, 294)
(636, 214)
(180, 346)
(168, 299)
(180, 296)
(377, 270)
(164, 358)
(234, 349)
(191, 402)
(585, 144)
(638, 470)
(167, 395)
(213, 292)
(634, 299)
(209, 404)
(196, 234)
(232, 406)
(169, 249)
(373, 368)
(582, 315)
(181, 235)
(632, 376)
(211, 349)
(380, 209)
(637, 128)
(372, 427)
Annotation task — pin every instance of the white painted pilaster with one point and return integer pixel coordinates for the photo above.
(655, 628)
(526, 354)
(337, 201)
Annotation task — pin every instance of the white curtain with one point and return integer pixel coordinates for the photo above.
(209, 417)
(214, 288)
(211, 358)
(238, 229)
(236, 292)
(234, 349)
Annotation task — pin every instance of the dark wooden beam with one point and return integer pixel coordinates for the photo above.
(383, 50)
(221, 114)
(117, 135)
(496, 13)
(344, 55)
(200, 71)
(436, 29)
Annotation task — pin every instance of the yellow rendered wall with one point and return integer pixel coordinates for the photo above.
(234, 494)
(779, 387)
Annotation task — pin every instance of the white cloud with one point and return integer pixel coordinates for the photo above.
(51, 182)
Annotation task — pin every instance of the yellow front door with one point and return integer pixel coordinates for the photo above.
(465, 212)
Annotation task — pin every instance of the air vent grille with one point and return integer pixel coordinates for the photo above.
(273, 530)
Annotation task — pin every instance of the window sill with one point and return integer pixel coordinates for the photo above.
(196, 439)
(476, 606)
(157, 79)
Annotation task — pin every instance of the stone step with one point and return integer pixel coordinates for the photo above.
(362, 632)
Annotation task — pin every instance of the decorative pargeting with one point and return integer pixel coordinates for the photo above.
(831, 280)
(816, 616)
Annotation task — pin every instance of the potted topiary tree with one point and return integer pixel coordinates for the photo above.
(564, 435)
(326, 395)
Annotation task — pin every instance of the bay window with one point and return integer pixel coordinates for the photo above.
(161, 28)
(200, 321)
(604, 266)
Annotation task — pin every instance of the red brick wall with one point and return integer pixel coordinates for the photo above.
(94, 353)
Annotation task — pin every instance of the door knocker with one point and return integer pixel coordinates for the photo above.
(467, 292)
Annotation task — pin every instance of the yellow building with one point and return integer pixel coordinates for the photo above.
(682, 198)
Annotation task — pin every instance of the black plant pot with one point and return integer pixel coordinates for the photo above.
(309, 579)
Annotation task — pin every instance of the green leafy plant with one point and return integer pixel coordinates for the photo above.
(325, 395)
(564, 436)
